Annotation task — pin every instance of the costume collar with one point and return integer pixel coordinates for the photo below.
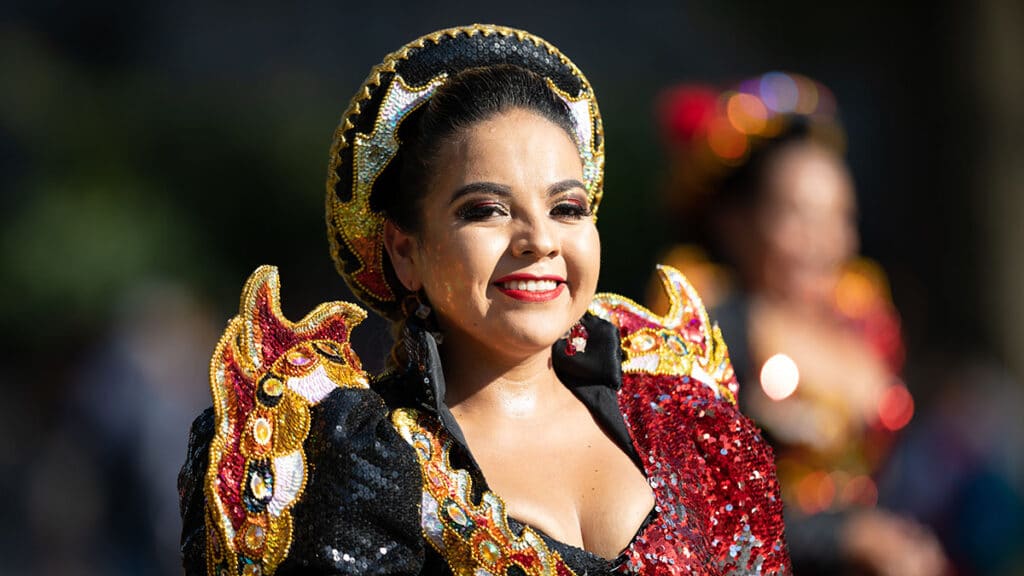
(594, 375)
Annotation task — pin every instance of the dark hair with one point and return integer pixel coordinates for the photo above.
(743, 185)
(473, 95)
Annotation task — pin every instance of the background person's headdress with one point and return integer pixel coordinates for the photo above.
(367, 140)
(710, 134)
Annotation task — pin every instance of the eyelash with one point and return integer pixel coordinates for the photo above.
(569, 209)
(482, 211)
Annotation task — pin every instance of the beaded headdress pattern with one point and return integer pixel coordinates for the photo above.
(366, 141)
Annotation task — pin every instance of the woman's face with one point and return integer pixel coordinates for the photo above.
(508, 252)
(807, 221)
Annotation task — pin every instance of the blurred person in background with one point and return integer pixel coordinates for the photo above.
(108, 455)
(765, 215)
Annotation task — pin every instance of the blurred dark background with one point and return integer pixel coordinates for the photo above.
(153, 154)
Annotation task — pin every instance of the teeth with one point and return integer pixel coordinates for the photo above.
(530, 285)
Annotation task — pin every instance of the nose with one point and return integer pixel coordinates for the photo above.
(535, 238)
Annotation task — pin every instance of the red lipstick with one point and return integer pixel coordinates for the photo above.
(517, 286)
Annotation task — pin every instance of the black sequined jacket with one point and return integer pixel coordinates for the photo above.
(375, 501)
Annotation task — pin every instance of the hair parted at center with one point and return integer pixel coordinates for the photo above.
(471, 96)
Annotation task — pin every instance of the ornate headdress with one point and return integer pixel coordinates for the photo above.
(366, 141)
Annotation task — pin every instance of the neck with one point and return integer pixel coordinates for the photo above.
(482, 381)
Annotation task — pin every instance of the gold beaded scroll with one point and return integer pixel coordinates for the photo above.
(475, 539)
(265, 374)
(683, 342)
(354, 227)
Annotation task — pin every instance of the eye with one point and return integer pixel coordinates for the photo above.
(571, 209)
(477, 211)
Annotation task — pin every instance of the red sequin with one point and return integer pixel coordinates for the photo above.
(716, 496)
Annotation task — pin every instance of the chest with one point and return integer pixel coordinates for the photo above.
(565, 477)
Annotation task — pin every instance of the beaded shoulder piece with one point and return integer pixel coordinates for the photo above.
(475, 539)
(713, 477)
(265, 374)
(683, 342)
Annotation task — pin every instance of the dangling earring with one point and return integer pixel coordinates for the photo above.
(576, 339)
(413, 306)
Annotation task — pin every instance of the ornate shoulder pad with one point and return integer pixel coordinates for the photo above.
(683, 342)
(265, 374)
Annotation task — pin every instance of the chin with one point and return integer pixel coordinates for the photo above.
(532, 332)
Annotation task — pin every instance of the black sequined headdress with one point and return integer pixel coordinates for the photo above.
(366, 140)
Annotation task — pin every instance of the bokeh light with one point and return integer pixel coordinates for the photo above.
(726, 141)
(896, 407)
(779, 92)
(855, 293)
(779, 377)
(687, 112)
(746, 113)
(816, 492)
(860, 490)
(807, 95)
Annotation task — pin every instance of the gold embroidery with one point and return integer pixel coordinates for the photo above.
(683, 342)
(475, 539)
(265, 374)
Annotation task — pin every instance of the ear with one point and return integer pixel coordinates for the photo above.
(402, 248)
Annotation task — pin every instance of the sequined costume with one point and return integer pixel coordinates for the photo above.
(307, 465)
(387, 485)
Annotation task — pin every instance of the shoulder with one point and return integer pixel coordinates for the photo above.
(682, 345)
(295, 444)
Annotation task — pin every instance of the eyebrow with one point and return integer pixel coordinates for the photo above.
(482, 187)
(504, 191)
(564, 186)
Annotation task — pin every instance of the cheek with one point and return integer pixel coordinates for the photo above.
(458, 265)
(783, 232)
(583, 256)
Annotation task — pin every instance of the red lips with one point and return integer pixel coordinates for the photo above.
(537, 294)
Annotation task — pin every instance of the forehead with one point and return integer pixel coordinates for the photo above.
(810, 174)
(511, 140)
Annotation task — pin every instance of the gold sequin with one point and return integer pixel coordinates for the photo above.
(254, 537)
(273, 387)
(261, 431)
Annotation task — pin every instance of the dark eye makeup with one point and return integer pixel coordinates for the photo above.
(481, 210)
(485, 200)
(571, 207)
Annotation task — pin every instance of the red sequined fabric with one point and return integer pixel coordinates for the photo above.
(716, 496)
